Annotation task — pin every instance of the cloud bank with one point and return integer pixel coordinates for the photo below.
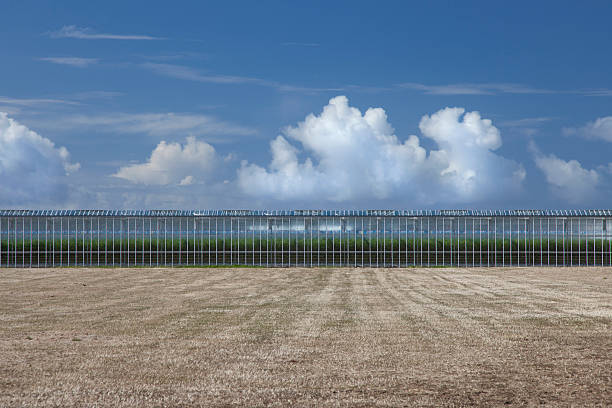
(32, 168)
(350, 156)
(173, 163)
(568, 180)
(600, 128)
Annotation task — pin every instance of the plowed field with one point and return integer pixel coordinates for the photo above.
(305, 337)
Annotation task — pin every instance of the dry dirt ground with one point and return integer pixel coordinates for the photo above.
(305, 337)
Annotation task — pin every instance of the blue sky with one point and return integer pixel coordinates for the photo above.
(206, 105)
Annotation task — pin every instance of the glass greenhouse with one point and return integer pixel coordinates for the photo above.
(368, 238)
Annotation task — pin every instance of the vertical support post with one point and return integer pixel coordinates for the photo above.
(319, 241)
(518, 241)
(458, 251)
(480, 241)
(46, 240)
(443, 239)
(16, 251)
(62, 241)
(533, 241)
(238, 238)
(556, 242)
(510, 241)
(83, 240)
(541, 262)
(209, 248)
(217, 241)
(594, 249)
(602, 241)
(340, 250)
(37, 241)
(362, 243)
(392, 242)
(406, 242)
(180, 237)
(504, 241)
(465, 241)
(525, 241)
(98, 242)
(120, 241)
(142, 244)
(23, 248)
(8, 242)
(392, 246)
(571, 242)
(30, 242)
(414, 241)
(377, 219)
(586, 242)
(579, 243)
(563, 239)
(548, 242)
(15, 241)
(90, 241)
(436, 238)
(421, 218)
(76, 240)
(355, 246)
(473, 242)
(495, 240)
(224, 233)
(384, 242)
(488, 248)
(151, 241)
(282, 241)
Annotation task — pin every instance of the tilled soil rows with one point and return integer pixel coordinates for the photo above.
(305, 337)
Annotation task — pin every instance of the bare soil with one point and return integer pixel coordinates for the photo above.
(306, 337)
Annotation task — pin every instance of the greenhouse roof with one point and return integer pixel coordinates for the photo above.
(301, 213)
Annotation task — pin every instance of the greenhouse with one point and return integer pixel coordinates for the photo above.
(368, 238)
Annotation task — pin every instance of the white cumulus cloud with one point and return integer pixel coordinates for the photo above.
(567, 179)
(32, 168)
(173, 163)
(348, 155)
(600, 128)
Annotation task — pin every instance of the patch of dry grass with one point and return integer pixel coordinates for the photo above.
(305, 337)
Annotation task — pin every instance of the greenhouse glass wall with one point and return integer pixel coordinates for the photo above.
(369, 238)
